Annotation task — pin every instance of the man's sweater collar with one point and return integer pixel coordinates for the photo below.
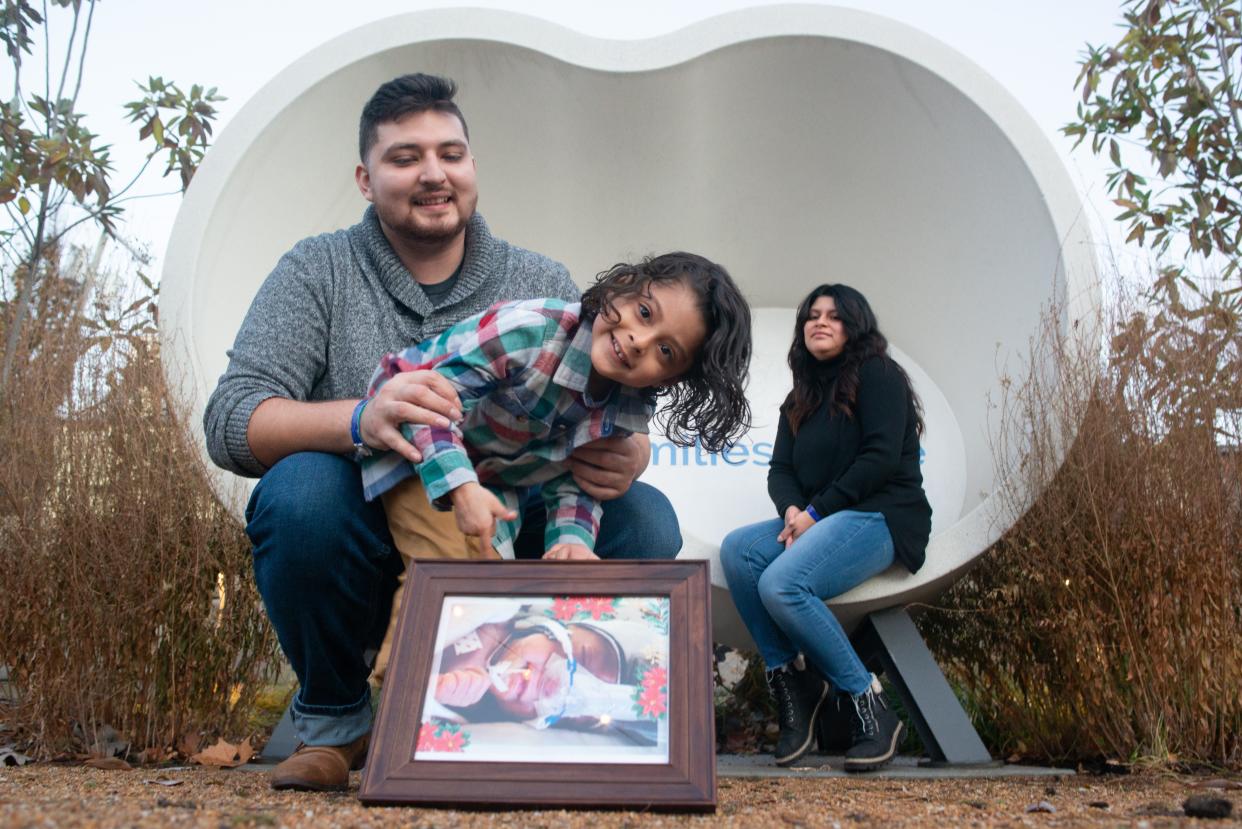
(482, 260)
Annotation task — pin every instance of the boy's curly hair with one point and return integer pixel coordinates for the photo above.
(708, 402)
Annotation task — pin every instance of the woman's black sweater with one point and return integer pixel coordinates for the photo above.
(867, 462)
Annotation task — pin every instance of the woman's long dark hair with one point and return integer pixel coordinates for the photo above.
(708, 402)
(812, 385)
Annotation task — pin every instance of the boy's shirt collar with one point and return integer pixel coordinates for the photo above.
(574, 372)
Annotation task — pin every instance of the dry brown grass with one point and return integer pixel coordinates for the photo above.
(1108, 620)
(128, 596)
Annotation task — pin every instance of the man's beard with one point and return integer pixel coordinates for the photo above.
(412, 230)
(440, 232)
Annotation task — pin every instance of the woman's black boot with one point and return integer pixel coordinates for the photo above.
(877, 730)
(799, 695)
(834, 728)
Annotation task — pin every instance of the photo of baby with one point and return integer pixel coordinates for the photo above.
(570, 679)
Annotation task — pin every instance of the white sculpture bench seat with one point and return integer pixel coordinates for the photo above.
(794, 144)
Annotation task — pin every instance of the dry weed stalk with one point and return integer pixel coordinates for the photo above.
(1108, 620)
(128, 595)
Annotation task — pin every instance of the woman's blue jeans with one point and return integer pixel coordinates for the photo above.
(780, 592)
(326, 567)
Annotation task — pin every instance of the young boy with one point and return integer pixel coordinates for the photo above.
(539, 378)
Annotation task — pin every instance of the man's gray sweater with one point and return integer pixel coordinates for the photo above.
(338, 302)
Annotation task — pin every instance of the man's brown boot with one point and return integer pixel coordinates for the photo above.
(320, 768)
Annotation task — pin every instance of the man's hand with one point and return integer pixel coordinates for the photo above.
(462, 687)
(569, 552)
(410, 397)
(797, 522)
(606, 467)
(476, 510)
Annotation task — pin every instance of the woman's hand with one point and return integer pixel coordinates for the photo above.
(462, 687)
(477, 510)
(409, 397)
(791, 512)
(569, 552)
(797, 522)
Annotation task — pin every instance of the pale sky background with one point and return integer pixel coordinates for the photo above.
(1030, 48)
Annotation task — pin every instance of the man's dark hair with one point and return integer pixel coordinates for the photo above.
(404, 96)
(708, 402)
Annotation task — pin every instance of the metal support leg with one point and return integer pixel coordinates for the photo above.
(890, 637)
(283, 741)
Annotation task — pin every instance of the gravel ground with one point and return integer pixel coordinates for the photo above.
(44, 795)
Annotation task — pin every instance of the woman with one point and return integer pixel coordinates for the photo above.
(846, 483)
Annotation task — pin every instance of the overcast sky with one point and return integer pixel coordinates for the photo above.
(1030, 48)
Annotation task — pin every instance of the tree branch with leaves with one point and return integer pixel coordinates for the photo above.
(1169, 93)
(1163, 103)
(55, 175)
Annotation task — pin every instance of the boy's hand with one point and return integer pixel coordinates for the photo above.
(476, 510)
(569, 552)
(410, 397)
(462, 687)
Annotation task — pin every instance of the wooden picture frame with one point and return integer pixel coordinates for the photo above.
(643, 626)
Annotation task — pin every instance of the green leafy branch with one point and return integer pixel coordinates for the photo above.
(179, 124)
(55, 174)
(1170, 90)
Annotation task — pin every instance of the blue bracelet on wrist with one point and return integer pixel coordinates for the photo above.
(355, 429)
(810, 510)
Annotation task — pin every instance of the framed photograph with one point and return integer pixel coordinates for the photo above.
(549, 684)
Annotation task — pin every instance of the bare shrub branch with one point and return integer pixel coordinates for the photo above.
(1108, 620)
(130, 598)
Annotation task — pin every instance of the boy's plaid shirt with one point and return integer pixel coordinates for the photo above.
(521, 370)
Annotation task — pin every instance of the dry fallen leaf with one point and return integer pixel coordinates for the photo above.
(164, 782)
(1214, 783)
(108, 763)
(225, 755)
(189, 744)
(155, 755)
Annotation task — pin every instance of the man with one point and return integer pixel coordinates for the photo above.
(286, 409)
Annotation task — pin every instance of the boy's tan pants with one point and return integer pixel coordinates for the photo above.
(419, 530)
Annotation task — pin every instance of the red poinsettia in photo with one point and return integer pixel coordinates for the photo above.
(442, 737)
(576, 608)
(651, 699)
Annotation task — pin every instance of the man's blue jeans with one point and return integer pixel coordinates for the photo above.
(780, 592)
(326, 567)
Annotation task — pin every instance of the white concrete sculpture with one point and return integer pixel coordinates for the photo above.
(795, 144)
